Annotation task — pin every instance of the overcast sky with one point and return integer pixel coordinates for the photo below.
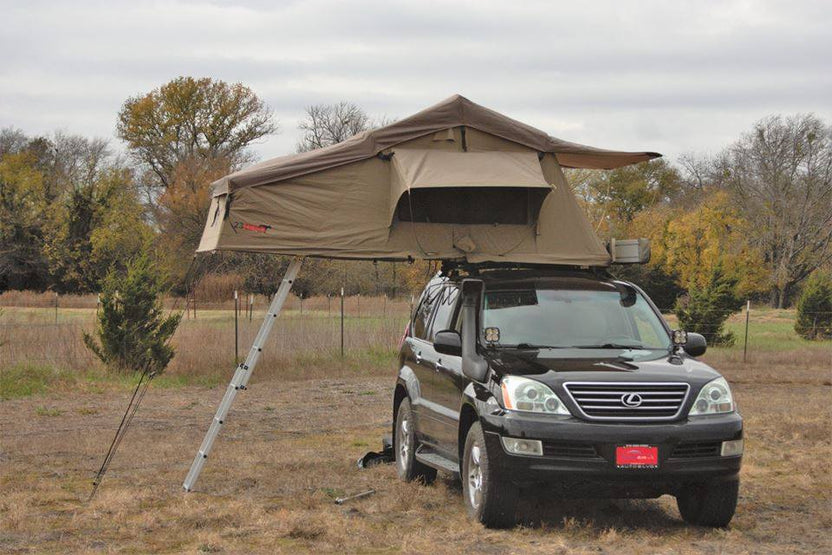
(668, 76)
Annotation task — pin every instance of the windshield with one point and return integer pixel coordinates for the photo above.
(574, 318)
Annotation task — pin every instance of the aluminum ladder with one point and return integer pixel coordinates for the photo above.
(242, 374)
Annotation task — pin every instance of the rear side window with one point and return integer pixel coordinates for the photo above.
(421, 319)
(445, 304)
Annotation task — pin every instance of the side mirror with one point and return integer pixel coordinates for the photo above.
(448, 342)
(696, 345)
(474, 366)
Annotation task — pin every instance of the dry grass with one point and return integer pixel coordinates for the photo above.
(289, 448)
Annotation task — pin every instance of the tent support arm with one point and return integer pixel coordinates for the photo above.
(242, 373)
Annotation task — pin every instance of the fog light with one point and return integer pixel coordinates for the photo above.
(517, 446)
(731, 448)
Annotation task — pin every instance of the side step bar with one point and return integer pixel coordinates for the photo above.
(437, 461)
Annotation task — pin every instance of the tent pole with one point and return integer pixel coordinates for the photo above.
(242, 373)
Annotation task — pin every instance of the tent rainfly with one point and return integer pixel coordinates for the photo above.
(456, 181)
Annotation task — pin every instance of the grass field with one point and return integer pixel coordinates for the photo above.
(291, 442)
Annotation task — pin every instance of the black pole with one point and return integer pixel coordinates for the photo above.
(56, 307)
(342, 322)
(236, 330)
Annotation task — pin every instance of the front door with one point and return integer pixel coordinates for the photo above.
(439, 384)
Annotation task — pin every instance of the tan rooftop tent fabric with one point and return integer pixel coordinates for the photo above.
(455, 181)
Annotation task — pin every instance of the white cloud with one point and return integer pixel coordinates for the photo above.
(667, 76)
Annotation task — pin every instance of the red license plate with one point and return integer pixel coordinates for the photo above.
(637, 456)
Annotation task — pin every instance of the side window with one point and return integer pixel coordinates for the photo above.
(445, 304)
(421, 319)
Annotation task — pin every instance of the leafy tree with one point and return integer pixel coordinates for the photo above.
(814, 307)
(189, 118)
(613, 198)
(692, 243)
(132, 330)
(98, 190)
(182, 209)
(705, 308)
(780, 175)
(23, 208)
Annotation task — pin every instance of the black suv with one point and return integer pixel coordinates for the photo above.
(568, 380)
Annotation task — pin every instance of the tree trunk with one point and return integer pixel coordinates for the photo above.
(774, 297)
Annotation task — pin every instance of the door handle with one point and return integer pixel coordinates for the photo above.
(418, 358)
(440, 366)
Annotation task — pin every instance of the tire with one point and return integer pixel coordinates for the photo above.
(408, 468)
(488, 499)
(711, 504)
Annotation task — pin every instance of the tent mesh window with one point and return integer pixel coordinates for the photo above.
(471, 205)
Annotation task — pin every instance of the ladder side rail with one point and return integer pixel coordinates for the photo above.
(268, 323)
(242, 374)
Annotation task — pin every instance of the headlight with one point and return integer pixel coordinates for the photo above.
(715, 398)
(528, 395)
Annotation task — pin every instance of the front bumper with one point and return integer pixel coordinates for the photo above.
(579, 456)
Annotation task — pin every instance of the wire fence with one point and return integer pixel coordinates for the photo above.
(48, 329)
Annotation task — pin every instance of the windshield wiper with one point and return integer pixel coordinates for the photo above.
(529, 346)
(609, 346)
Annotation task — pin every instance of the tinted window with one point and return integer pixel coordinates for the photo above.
(574, 319)
(421, 319)
(445, 303)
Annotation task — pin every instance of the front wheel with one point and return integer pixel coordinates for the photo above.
(408, 468)
(710, 504)
(489, 500)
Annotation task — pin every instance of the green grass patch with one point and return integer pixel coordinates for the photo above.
(25, 380)
(46, 411)
(772, 335)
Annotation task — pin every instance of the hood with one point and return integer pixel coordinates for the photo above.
(543, 366)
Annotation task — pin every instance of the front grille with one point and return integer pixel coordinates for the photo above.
(569, 450)
(628, 401)
(696, 450)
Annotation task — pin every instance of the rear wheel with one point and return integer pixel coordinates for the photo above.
(710, 504)
(491, 501)
(408, 468)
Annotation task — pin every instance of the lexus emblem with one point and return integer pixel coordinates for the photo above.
(631, 400)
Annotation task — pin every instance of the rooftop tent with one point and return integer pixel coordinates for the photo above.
(454, 181)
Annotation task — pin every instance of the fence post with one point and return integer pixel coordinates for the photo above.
(342, 322)
(747, 313)
(250, 306)
(56, 307)
(236, 330)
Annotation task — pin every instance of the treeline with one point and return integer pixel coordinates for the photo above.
(755, 218)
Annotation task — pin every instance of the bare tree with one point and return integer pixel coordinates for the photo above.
(781, 173)
(328, 124)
